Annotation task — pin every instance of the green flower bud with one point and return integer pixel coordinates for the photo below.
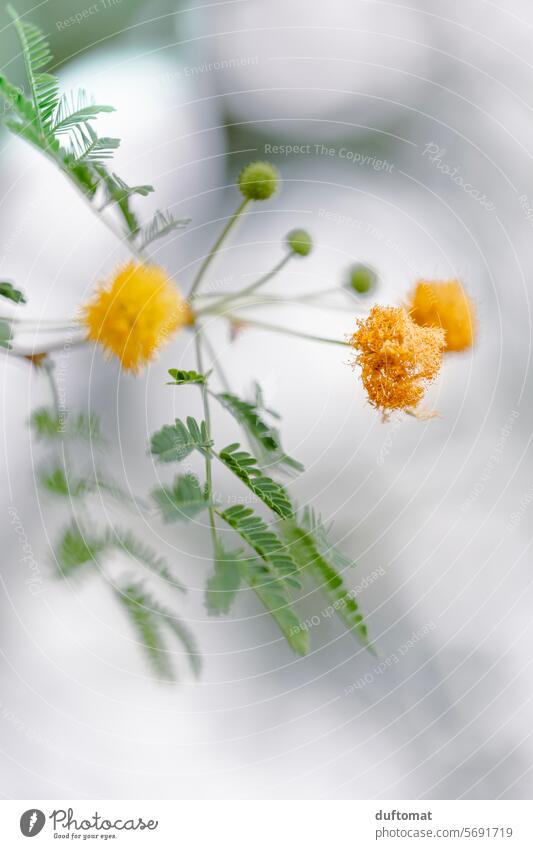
(361, 278)
(258, 180)
(300, 242)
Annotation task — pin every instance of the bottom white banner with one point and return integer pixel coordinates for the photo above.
(268, 825)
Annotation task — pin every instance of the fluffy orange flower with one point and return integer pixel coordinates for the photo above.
(133, 315)
(445, 304)
(397, 357)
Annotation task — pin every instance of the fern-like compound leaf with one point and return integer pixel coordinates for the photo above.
(223, 585)
(274, 597)
(47, 424)
(150, 619)
(269, 491)
(257, 534)
(162, 223)
(139, 551)
(74, 110)
(44, 87)
(183, 500)
(174, 443)
(147, 624)
(264, 438)
(78, 547)
(305, 552)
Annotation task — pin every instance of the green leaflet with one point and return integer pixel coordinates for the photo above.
(149, 619)
(117, 191)
(272, 594)
(75, 110)
(46, 424)
(224, 583)
(56, 482)
(78, 547)
(180, 377)
(267, 577)
(313, 523)
(245, 467)
(43, 86)
(174, 443)
(257, 534)
(127, 542)
(89, 149)
(184, 500)
(14, 98)
(304, 551)
(161, 225)
(7, 290)
(185, 636)
(263, 437)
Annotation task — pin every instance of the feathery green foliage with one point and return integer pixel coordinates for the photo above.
(273, 595)
(75, 110)
(162, 224)
(224, 583)
(257, 534)
(149, 619)
(61, 127)
(146, 622)
(78, 547)
(47, 424)
(174, 443)
(304, 551)
(183, 500)
(138, 550)
(263, 437)
(312, 522)
(44, 87)
(245, 467)
(55, 480)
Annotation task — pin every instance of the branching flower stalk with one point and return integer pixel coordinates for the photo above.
(281, 550)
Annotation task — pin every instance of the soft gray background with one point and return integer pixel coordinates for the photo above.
(430, 504)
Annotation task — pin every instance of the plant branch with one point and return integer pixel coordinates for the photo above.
(232, 296)
(207, 417)
(275, 328)
(214, 250)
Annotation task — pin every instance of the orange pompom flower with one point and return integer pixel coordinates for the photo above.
(133, 316)
(445, 304)
(397, 357)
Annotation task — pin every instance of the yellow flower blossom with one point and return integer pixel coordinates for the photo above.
(397, 357)
(133, 315)
(445, 304)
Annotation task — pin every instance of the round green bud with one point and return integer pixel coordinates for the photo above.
(361, 278)
(258, 180)
(300, 242)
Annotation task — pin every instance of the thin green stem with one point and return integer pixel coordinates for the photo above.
(207, 417)
(217, 364)
(44, 323)
(275, 328)
(253, 287)
(232, 220)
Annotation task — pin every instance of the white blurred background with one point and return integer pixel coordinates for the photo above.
(442, 509)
